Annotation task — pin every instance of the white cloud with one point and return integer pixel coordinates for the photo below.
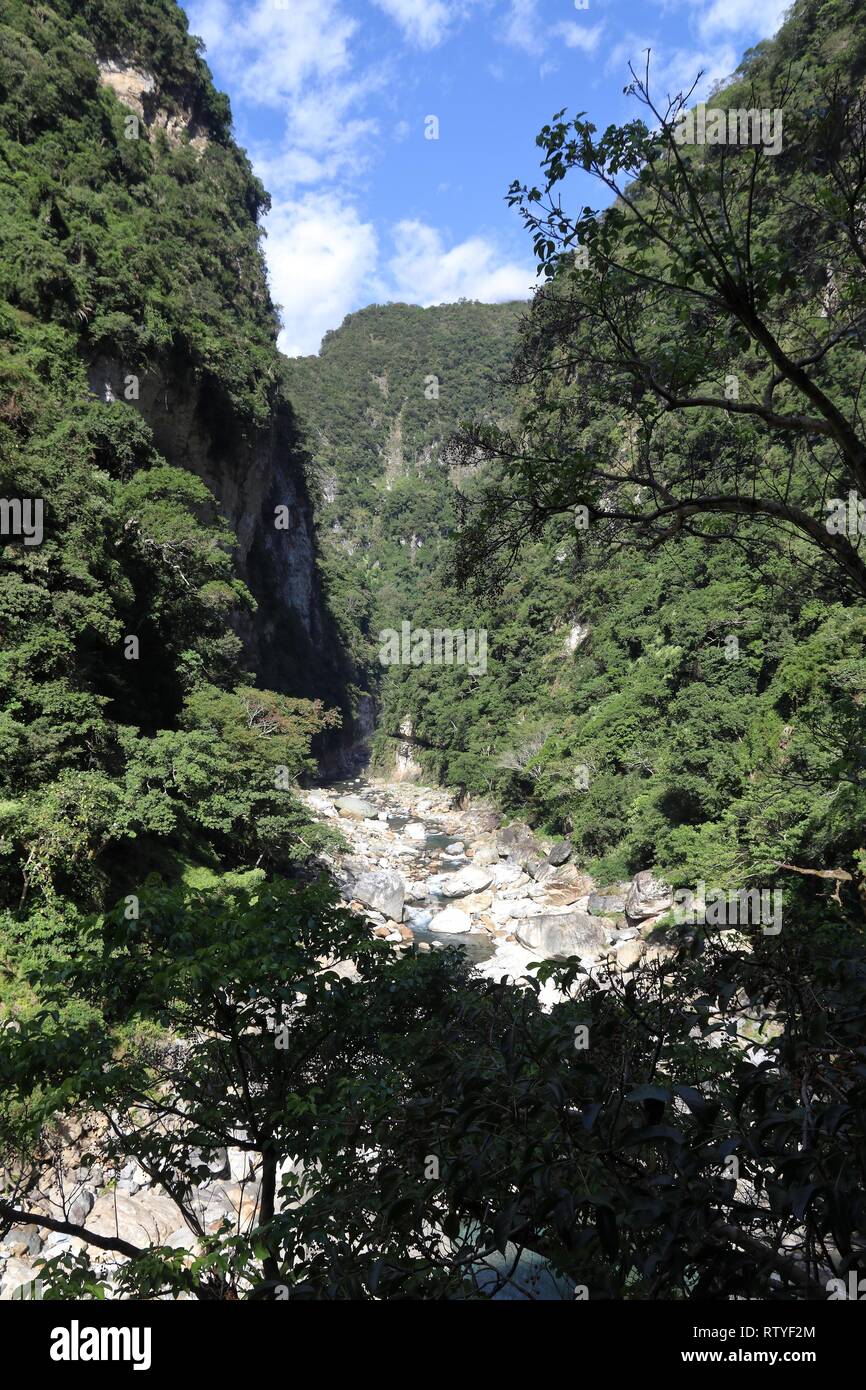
(427, 23)
(271, 53)
(423, 272)
(723, 28)
(742, 16)
(321, 259)
(581, 36)
(674, 71)
(314, 160)
(677, 71)
(423, 22)
(523, 28)
(298, 60)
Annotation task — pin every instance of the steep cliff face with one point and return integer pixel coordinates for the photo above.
(256, 475)
(257, 479)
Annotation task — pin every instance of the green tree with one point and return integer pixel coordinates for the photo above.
(699, 350)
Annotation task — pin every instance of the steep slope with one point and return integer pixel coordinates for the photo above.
(130, 234)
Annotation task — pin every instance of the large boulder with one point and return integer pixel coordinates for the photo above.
(570, 875)
(468, 880)
(132, 1177)
(356, 808)
(516, 842)
(560, 852)
(558, 935)
(513, 837)
(476, 902)
(143, 1220)
(22, 1242)
(485, 854)
(415, 830)
(607, 904)
(508, 874)
(451, 919)
(517, 907)
(19, 1278)
(81, 1204)
(532, 862)
(346, 969)
(628, 953)
(648, 896)
(383, 890)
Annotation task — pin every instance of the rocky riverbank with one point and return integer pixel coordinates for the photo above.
(421, 869)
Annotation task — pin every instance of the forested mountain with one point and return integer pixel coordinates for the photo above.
(642, 488)
(377, 406)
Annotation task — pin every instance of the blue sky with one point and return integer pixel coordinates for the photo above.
(331, 98)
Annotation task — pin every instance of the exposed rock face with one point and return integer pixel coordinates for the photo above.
(577, 635)
(290, 639)
(558, 935)
(647, 897)
(130, 85)
(184, 392)
(138, 89)
(406, 767)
